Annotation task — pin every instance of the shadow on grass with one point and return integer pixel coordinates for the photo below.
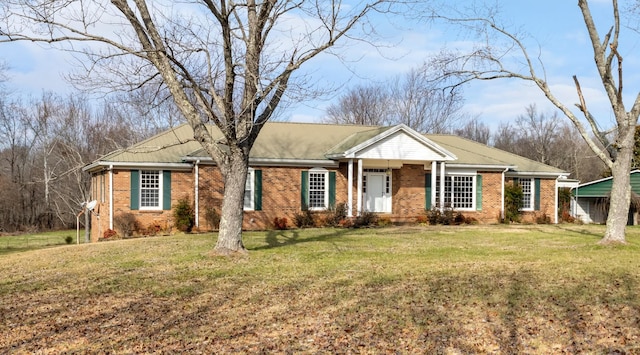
(283, 238)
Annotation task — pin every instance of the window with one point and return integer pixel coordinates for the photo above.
(459, 191)
(527, 194)
(150, 189)
(318, 192)
(249, 188)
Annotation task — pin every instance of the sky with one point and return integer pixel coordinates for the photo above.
(556, 31)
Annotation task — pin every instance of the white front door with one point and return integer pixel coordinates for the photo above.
(377, 193)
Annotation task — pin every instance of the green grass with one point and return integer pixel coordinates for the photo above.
(471, 289)
(31, 241)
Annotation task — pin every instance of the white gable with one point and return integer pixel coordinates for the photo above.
(400, 146)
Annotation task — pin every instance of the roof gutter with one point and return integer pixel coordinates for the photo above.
(112, 165)
(271, 162)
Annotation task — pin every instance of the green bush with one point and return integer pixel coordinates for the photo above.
(184, 215)
(513, 196)
(68, 239)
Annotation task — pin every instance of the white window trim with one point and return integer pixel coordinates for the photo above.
(474, 192)
(160, 192)
(532, 197)
(326, 189)
(252, 192)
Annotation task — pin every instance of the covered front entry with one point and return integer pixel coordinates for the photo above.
(376, 186)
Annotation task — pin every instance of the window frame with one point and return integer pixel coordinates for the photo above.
(531, 193)
(450, 191)
(251, 181)
(325, 174)
(159, 206)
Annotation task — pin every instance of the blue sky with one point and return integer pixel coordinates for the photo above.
(556, 26)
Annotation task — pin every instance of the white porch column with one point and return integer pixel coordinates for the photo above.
(359, 207)
(350, 189)
(434, 171)
(442, 186)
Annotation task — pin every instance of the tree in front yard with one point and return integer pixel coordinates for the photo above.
(223, 62)
(510, 59)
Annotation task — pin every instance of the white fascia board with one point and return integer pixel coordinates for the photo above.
(481, 166)
(536, 173)
(351, 153)
(130, 165)
(276, 162)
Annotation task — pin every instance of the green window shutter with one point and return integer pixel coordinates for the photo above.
(427, 191)
(135, 190)
(536, 196)
(257, 194)
(479, 192)
(332, 189)
(304, 191)
(166, 190)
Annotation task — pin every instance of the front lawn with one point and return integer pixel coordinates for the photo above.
(470, 289)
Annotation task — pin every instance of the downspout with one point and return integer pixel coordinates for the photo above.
(555, 204)
(197, 192)
(110, 197)
(502, 199)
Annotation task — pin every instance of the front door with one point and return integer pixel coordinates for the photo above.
(377, 193)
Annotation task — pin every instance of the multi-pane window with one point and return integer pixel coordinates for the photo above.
(249, 189)
(527, 193)
(318, 192)
(150, 184)
(458, 191)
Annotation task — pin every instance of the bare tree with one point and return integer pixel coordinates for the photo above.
(475, 130)
(362, 105)
(413, 99)
(492, 61)
(225, 62)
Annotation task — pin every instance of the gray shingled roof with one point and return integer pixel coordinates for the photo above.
(310, 141)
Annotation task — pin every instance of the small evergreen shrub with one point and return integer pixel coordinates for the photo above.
(184, 215)
(513, 196)
(68, 239)
(126, 223)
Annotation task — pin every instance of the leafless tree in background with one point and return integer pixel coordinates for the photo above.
(413, 99)
(494, 59)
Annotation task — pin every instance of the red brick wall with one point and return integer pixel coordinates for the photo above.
(281, 197)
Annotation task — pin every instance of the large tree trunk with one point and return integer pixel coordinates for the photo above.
(620, 198)
(234, 173)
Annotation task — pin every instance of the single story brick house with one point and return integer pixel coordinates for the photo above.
(393, 171)
(590, 200)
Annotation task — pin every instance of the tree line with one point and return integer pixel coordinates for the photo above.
(44, 143)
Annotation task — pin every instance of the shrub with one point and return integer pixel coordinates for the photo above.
(422, 220)
(280, 223)
(154, 229)
(543, 219)
(336, 215)
(212, 217)
(184, 215)
(109, 234)
(304, 219)
(513, 196)
(365, 219)
(384, 222)
(126, 223)
(68, 239)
